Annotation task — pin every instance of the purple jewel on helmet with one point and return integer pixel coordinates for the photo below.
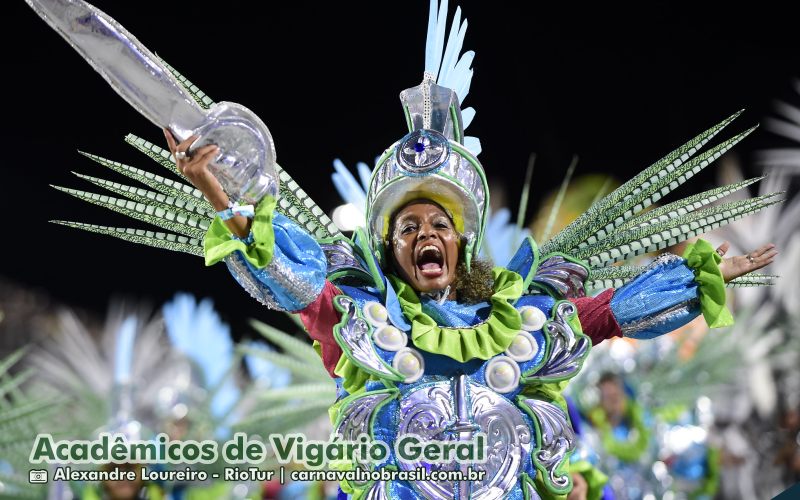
(422, 152)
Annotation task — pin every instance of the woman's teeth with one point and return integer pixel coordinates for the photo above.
(430, 261)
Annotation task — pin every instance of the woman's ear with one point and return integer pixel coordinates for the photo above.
(462, 245)
(388, 254)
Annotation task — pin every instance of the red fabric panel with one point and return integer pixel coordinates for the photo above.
(596, 317)
(319, 318)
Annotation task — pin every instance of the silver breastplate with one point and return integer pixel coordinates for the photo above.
(525, 436)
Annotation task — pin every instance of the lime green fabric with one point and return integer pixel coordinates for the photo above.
(219, 241)
(94, 492)
(670, 413)
(353, 377)
(316, 491)
(212, 491)
(632, 449)
(548, 391)
(711, 482)
(544, 491)
(317, 348)
(553, 393)
(482, 341)
(704, 261)
(595, 480)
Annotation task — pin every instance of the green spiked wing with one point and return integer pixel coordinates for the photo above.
(22, 417)
(617, 227)
(174, 206)
(303, 404)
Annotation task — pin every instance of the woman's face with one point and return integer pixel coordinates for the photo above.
(425, 246)
(612, 399)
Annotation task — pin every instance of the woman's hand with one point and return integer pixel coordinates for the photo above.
(733, 267)
(195, 168)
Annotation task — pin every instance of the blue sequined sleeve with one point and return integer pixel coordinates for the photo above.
(658, 301)
(294, 277)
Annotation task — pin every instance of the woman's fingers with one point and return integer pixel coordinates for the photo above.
(179, 150)
(200, 160)
(206, 150)
(764, 249)
(170, 141)
(194, 167)
(768, 257)
(182, 147)
(209, 156)
(185, 145)
(733, 267)
(761, 257)
(202, 157)
(723, 249)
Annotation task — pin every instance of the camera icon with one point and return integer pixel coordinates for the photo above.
(37, 476)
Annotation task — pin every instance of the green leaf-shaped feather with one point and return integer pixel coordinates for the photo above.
(167, 241)
(753, 279)
(158, 154)
(283, 418)
(300, 369)
(644, 239)
(291, 346)
(656, 188)
(161, 184)
(295, 204)
(632, 193)
(611, 277)
(167, 219)
(615, 272)
(177, 205)
(686, 205)
(308, 391)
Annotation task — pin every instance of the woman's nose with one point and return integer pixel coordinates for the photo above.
(425, 231)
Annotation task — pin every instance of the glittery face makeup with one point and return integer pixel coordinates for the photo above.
(425, 246)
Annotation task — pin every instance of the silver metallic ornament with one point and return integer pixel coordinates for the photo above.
(245, 165)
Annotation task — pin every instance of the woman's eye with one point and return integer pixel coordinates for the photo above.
(442, 225)
(407, 229)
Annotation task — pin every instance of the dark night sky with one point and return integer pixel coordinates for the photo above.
(619, 87)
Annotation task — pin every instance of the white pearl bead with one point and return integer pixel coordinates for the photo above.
(409, 363)
(520, 345)
(391, 333)
(378, 312)
(375, 313)
(532, 318)
(523, 347)
(390, 338)
(502, 374)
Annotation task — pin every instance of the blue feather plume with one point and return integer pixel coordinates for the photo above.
(197, 331)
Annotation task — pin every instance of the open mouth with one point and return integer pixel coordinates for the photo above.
(430, 261)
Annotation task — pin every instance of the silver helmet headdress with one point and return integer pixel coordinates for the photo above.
(434, 160)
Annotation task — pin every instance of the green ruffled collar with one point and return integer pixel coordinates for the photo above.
(481, 341)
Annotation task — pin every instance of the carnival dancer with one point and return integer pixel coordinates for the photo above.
(425, 339)
(422, 337)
